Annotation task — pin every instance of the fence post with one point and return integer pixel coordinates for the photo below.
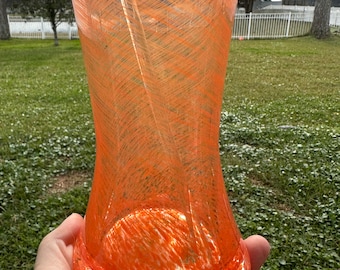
(69, 31)
(288, 25)
(9, 24)
(42, 28)
(249, 26)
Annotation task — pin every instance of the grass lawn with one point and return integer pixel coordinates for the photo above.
(280, 146)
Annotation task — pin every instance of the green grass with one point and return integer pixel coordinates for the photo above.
(280, 143)
(46, 131)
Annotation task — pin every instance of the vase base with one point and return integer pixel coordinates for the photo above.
(159, 239)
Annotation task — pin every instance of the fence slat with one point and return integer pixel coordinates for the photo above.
(249, 25)
(42, 29)
(288, 24)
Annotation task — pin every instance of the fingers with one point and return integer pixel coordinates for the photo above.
(258, 249)
(69, 229)
(56, 249)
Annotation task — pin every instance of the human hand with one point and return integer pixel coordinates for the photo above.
(258, 249)
(56, 249)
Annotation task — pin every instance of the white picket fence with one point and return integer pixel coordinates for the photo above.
(271, 25)
(40, 28)
(246, 26)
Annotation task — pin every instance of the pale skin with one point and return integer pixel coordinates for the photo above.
(56, 249)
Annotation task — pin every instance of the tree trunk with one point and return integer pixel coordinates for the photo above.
(54, 28)
(320, 26)
(248, 6)
(4, 25)
(54, 25)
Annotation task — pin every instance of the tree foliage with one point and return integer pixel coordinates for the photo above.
(54, 10)
(320, 26)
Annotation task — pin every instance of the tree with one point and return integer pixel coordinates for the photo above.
(320, 26)
(246, 4)
(54, 10)
(4, 25)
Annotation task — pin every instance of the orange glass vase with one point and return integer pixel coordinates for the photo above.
(156, 72)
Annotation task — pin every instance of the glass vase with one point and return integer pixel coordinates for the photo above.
(156, 71)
